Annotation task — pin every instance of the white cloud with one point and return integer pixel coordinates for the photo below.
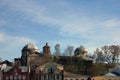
(10, 44)
(111, 23)
(77, 27)
(70, 23)
(15, 39)
(29, 10)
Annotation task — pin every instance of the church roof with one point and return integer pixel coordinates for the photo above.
(73, 75)
(110, 74)
(30, 46)
(51, 64)
(23, 68)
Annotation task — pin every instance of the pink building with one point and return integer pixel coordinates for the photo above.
(16, 72)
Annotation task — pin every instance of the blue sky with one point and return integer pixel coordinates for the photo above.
(91, 23)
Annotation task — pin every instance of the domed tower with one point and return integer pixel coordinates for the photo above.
(80, 51)
(46, 50)
(28, 49)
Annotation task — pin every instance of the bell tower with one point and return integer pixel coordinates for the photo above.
(46, 50)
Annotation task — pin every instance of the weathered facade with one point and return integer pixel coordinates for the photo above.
(32, 56)
(50, 71)
(43, 67)
(16, 73)
(79, 63)
(76, 64)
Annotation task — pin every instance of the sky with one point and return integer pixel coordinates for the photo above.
(91, 23)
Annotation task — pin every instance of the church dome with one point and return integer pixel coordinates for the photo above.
(80, 51)
(30, 46)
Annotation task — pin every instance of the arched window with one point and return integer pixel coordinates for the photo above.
(7, 78)
(57, 76)
(24, 77)
(11, 77)
(15, 77)
(19, 77)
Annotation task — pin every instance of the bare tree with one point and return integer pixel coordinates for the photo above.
(109, 54)
(95, 55)
(70, 50)
(65, 53)
(57, 50)
(115, 50)
(99, 56)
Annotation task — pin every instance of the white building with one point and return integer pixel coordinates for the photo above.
(49, 71)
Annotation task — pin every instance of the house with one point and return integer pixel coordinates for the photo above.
(74, 76)
(108, 76)
(49, 71)
(16, 72)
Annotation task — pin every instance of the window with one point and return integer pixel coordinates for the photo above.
(7, 78)
(51, 69)
(24, 77)
(11, 77)
(57, 76)
(19, 77)
(15, 77)
(44, 77)
(51, 76)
